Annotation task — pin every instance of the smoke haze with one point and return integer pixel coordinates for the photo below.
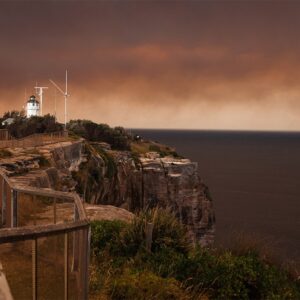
(157, 64)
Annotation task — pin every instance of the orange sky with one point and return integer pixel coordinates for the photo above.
(171, 64)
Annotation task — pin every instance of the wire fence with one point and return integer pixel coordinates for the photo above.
(44, 242)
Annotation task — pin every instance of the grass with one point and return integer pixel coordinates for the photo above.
(123, 268)
(142, 147)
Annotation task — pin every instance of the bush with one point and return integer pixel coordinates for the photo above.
(105, 236)
(4, 153)
(23, 126)
(227, 276)
(172, 267)
(117, 137)
(44, 162)
(146, 285)
(167, 233)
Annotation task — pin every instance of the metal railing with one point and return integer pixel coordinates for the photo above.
(5, 135)
(34, 140)
(44, 242)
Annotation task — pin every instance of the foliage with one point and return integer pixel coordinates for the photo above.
(44, 162)
(105, 235)
(23, 126)
(142, 147)
(126, 270)
(167, 233)
(117, 137)
(90, 174)
(145, 285)
(4, 153)
(127, 240)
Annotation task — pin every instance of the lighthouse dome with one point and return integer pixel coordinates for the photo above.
(32, 100)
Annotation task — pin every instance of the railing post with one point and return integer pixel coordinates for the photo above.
(34, 269)
(8, 206)
(14, 208)
(75, 243)
(34, 208)
(3, 199)
(54, 211)
(66, 268)
(84, 262)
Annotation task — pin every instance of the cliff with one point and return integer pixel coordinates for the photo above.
(119, 178)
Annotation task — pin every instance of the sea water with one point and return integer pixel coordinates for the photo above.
(254, 180)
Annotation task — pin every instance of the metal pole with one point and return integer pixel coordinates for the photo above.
(66, 265)
(3, 198)
(66, 95)
(34, 208)
(54, 211)
(41, 99)
(65, 112)
(34, 269)
(14, 208)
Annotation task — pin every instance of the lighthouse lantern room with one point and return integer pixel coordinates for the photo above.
(32, 107)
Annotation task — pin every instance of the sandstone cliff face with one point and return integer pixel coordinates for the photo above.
(103, 176)
(153, 181)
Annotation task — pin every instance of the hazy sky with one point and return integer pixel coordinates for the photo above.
(158, 64)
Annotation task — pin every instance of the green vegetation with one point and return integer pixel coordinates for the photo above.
(4, 153)
(89, 175)
(123, 268)
(23, 126)
(44, 162)
(117, 137)
(142, 147)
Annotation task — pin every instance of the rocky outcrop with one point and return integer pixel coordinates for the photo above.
(107, 212)
(118, 178)
(175, 184)
(147, 182)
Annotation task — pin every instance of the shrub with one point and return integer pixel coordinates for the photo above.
(172, 267)
(23, 126)
(146, 285)
(44, 162)
(228, 276)
(167, 233)
(117, 137)
(105, 235)
(4, 153)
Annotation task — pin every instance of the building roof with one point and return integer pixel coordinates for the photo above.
(32, 99)
(8, 121)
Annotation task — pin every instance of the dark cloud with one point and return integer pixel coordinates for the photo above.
(157, 59)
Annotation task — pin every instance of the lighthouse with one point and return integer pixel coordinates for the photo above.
(32, 107)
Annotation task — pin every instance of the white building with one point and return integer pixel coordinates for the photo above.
(32, 107)
(8, 121)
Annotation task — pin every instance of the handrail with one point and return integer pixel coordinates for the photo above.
(8, 235)
(44, 192)
(79, 227)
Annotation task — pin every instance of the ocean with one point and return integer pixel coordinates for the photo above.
(254, 180)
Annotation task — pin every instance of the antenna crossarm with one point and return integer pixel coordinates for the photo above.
(58, 88)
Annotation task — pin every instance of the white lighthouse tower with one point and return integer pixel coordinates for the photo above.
(32, 107)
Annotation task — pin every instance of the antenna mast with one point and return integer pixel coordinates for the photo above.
(64, 93)
(39, 91)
